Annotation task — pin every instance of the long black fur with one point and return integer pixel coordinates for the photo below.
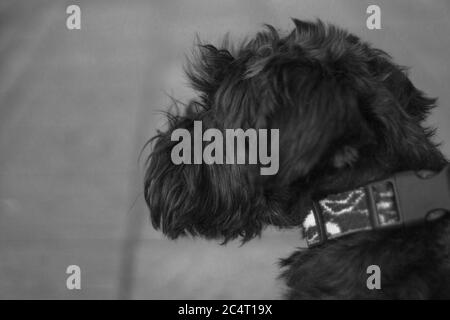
(326, 91)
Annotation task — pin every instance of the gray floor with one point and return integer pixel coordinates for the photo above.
(77, 106)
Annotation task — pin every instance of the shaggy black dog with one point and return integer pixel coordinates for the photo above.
(347, 115)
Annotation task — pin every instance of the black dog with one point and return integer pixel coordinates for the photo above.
(347, 115)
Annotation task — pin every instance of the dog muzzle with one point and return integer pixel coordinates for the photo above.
(403, 199)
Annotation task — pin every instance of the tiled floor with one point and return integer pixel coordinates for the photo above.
(77, 106)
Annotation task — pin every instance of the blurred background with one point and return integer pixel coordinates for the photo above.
(77, 106)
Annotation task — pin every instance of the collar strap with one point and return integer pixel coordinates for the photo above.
(403, 199)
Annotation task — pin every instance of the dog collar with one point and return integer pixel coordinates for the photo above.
(403, 199)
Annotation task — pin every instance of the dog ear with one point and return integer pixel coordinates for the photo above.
(207, 69)
(315, 111)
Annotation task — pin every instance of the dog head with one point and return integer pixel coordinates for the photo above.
(346, 113)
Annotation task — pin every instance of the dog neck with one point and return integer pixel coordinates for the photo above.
(403, 199)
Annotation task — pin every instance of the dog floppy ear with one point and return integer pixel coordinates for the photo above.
(315, 113)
